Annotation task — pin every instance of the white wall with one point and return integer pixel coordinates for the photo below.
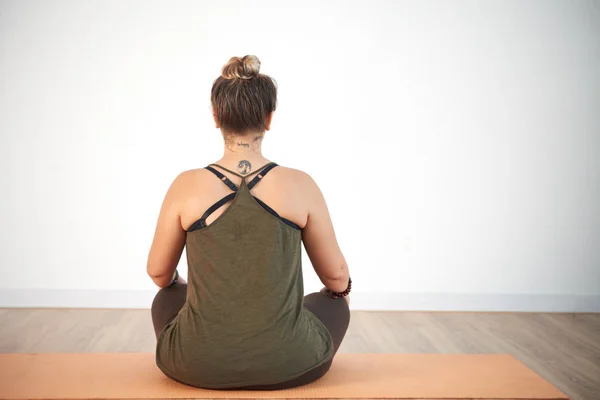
(457, 142)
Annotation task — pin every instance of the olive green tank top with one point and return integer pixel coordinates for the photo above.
(244, 322)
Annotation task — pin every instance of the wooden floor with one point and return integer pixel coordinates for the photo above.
(563, 348)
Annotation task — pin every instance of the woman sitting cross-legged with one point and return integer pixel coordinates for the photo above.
(242, 321)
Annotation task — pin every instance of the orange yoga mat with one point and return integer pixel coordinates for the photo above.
(352, 376)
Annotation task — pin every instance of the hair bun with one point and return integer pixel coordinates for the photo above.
(242, 68)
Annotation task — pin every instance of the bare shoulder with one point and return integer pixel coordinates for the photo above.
(298, 177)
(188, 181)
(187, 176)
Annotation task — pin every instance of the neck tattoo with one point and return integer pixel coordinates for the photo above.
(244, 167)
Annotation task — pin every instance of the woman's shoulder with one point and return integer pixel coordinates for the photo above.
(289, 172)
(297, 174)
(284, 174)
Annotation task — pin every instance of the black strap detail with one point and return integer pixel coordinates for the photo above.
(261, 175)
(222, 177)
(201, 223)
(243, 176)
(269, 209)
(197, 225)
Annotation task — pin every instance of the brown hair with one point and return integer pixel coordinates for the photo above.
(242, 98)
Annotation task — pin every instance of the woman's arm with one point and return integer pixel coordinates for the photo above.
(320, 240)
(169, 236)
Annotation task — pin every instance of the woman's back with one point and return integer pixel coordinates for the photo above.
(289, 192)
(283, 189)
(244, 321)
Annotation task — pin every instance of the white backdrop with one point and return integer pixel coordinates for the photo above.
(457, 143)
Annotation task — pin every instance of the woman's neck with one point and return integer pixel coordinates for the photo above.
(243, 154)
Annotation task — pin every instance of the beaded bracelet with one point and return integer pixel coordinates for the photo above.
(335, 295)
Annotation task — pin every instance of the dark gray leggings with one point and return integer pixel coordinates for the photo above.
(334, 313)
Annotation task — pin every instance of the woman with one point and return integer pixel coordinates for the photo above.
(242, 321)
